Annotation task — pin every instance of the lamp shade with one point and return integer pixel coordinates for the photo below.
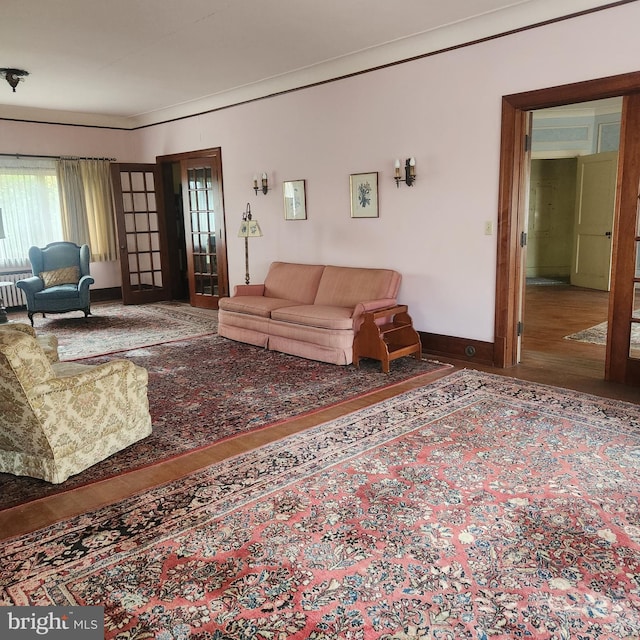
(249, 229)
(1, 227)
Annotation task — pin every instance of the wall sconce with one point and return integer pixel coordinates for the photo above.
(249, 228)
(409, 172)
(264, 184)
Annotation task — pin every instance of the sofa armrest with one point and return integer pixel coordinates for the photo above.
(370, 305)
(373, 305)
(90, 397)
(248, 290)
(19, 326)
(92, 410)
(31, 285)
(85, 282)
(88, 376)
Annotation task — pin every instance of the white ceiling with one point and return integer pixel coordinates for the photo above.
(128, 63)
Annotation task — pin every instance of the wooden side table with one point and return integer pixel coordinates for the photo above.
(3, 310)
(386, 335)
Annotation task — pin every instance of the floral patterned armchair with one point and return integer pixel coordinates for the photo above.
(60, 281)
(57, 419)
(47, 341)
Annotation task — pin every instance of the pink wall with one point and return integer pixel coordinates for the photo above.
(444, 110)
(63, 140)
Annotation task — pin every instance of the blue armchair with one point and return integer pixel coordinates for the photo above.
(60, 281)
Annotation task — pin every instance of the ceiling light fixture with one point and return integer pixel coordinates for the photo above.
(13, 76)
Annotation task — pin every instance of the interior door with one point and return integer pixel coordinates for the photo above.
(205, 230)
(595, 206)
(141, 233)
(523, 225)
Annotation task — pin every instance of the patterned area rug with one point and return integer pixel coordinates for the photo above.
(204, 390)
(598, 335)
(476, 507)
(114, 327)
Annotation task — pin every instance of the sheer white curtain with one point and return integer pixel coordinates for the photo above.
(87, 205)
(30, 206)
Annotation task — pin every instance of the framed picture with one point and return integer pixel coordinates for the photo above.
(364, 195)
(295, 200)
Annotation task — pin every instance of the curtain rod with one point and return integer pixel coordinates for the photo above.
(27, 155)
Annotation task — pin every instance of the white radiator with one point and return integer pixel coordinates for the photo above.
(11, 295)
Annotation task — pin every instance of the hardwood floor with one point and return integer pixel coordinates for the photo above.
(551, 312)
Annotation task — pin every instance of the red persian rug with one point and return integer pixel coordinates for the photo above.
(208, 389)
(475, 507)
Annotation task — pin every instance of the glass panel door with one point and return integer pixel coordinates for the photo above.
(141, 236)
(204, 227)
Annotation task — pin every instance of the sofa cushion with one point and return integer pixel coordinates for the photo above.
(281, 332)
(253, 305)
(316, 315)
(65, 275)
(346, 286)
(58, 292)
(290, 281)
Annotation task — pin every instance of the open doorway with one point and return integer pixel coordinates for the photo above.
(196, 234)
(174, 212)
(622, 362)
(571, 201)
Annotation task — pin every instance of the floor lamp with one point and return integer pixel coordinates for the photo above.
(249, 228)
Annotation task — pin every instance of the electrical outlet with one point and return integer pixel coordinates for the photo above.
(488, 228)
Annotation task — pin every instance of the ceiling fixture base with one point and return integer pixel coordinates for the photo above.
(13, 76)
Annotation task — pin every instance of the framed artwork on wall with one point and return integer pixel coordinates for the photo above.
(295, 200)
(364, 195)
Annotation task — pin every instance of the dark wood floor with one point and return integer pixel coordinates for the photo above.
(551, 313)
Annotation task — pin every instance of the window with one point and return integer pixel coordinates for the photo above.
(49, 200)
(30, 206)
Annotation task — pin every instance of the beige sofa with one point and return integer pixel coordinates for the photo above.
(57, 419)
(307, 310)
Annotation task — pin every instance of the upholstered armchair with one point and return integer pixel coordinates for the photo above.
(60, 281)
(58, 419)
(48, 342)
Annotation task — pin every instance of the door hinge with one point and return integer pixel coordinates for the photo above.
(520, 328)
(527, 142)
(523, 239)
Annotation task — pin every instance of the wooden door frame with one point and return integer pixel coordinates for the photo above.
(509, 276)
(624, 251)
(211, 152)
